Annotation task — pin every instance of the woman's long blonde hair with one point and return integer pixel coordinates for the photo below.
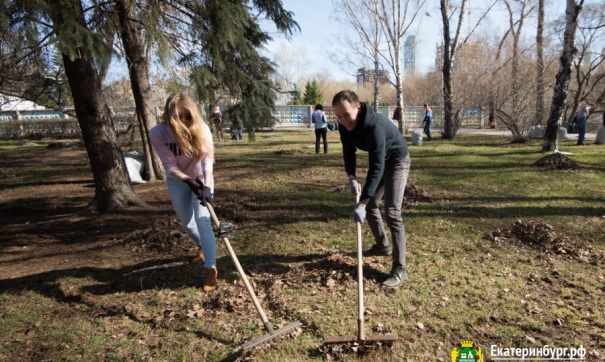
(190, 139)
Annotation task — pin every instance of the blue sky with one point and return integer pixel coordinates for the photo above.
(320, 33)
(319, 30)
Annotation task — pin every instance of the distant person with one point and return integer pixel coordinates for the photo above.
(388, 167)
(20, 131)
(237, 130)
(600, 137)
(427, 121)
(397, 114)
(581, 118)
(492, 121)
(321, 127)
(184, 144)
(217, 121)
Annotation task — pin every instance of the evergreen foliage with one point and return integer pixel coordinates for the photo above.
(313, 94)
(295, 97)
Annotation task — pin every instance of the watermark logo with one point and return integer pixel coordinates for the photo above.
(498, 353)
(467, 353)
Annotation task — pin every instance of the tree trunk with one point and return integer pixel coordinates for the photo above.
(141, 89)
(112, 186)
(403, 127)
(563, 76)
(448, 103)
(376, 83)
(540, 65)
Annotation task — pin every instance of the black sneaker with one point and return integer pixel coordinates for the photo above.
(377, 250)
(396, 279)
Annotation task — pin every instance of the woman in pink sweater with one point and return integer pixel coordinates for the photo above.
(183, 141)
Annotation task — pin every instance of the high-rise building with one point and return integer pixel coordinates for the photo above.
(409, 55)
(467, 55)
(366, 75)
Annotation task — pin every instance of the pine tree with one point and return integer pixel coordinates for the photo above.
(295, 97)
(313, 94)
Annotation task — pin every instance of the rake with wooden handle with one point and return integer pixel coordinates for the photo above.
(361, 336)
(224, 229)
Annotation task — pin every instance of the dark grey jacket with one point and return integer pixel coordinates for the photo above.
(377, 135)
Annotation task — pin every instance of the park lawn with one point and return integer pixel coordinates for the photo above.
(80, 286)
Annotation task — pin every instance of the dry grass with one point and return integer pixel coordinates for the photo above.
(499, 251)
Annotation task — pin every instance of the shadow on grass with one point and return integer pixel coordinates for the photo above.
(433, 209)
(175, 273)
(88, 183)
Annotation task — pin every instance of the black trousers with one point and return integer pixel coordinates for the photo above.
(323, 133)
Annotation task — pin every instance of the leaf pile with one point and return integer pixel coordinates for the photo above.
(337, 273)
(288, 152)
(542, 236)
(557, 161)
(339, 351)
(414, 194)
(164, 236)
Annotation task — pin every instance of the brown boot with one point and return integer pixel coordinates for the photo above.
(199, 255)
(209, 279)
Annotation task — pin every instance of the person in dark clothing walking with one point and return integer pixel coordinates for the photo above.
(427, 121)
(321, 127)
(389, 165)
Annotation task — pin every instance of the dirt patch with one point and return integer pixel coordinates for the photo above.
(544, 237)
(6, 174)
(557, 161)
(61, 145)
(163, 236)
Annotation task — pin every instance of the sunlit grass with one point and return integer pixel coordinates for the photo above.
(281, 197)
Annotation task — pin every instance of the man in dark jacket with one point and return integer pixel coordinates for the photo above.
(388, 169)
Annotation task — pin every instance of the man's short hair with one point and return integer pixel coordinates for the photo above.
(345, 95)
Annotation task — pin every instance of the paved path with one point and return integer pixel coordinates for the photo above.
(507, 133)
(589, 137)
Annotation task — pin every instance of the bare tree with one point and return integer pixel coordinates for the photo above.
(589, 80)
(517, 114)
(396, 17)
(362, 17)
(449, 51)
(572, 12)
(451, 116)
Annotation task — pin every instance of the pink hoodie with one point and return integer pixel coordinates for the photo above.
(165, 145)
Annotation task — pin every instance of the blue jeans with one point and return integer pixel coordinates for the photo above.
(581, 122)
(194, 218)
(392, 187)
(427, 130)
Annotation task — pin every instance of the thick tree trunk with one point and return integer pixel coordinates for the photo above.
(112, 186)
(141, 89)
(563, 76)
(113, 190)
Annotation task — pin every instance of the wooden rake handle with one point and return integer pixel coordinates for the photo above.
(241, 273)
(360, 308)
